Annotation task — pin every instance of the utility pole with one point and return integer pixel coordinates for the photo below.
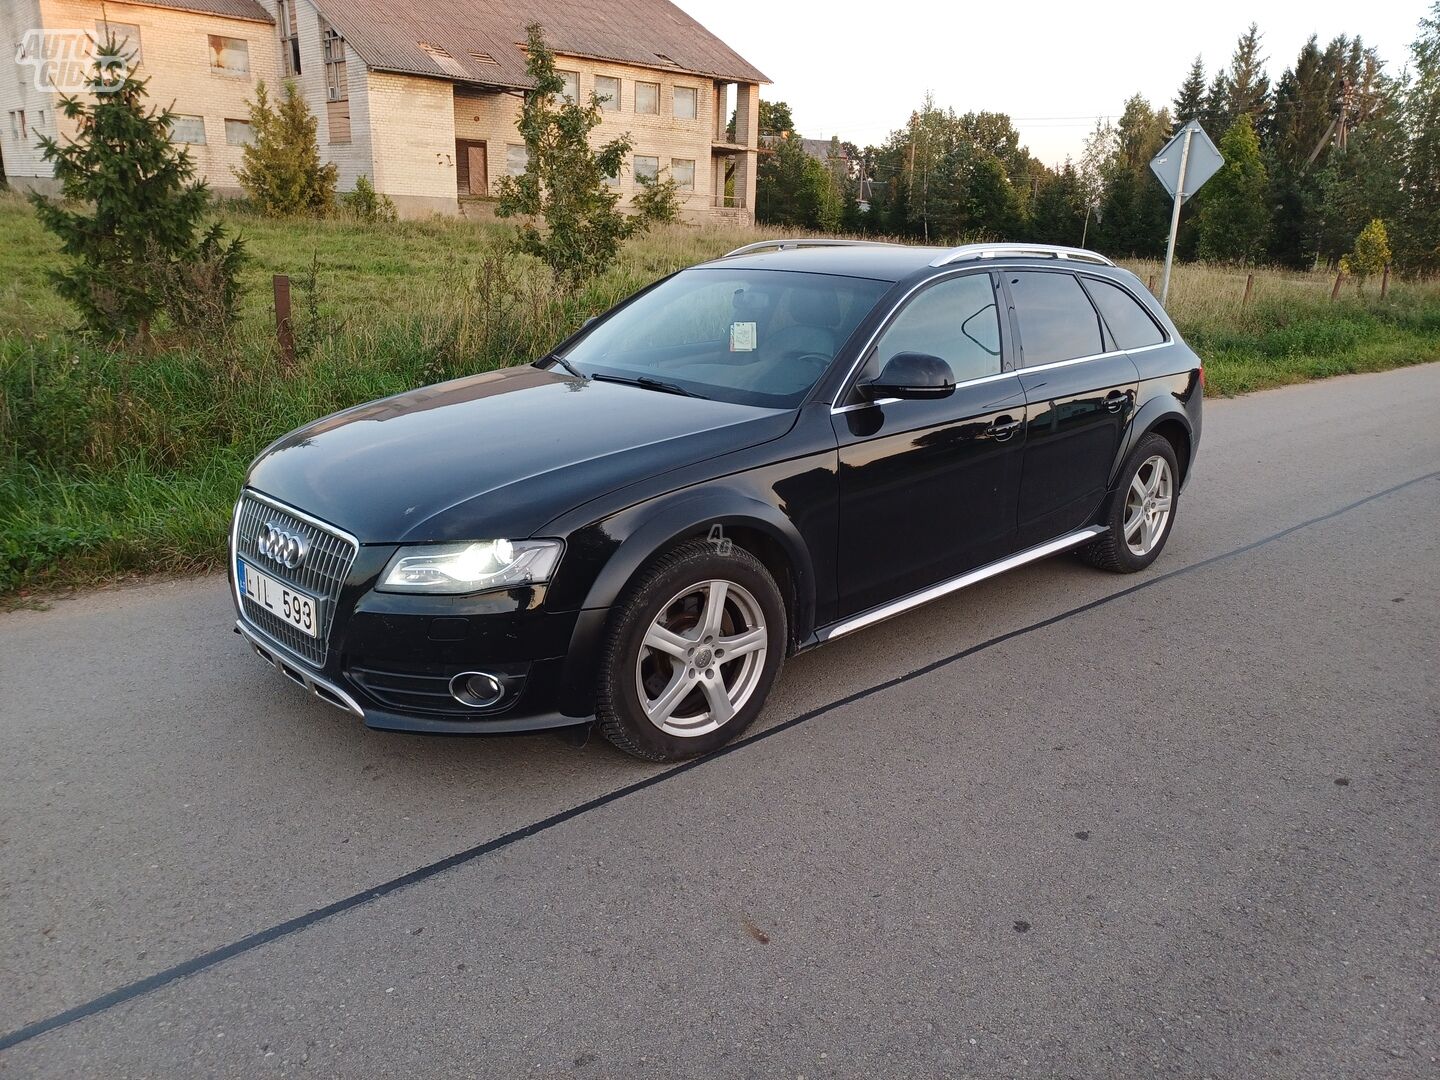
(1175, 216)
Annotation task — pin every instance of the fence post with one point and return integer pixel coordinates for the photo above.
(1335, 292)
(1249, 289)
(1152, 284)
(284, 331)
(1385, 281)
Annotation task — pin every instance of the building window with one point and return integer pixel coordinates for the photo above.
(239, 133)
(333, 47)
(647, 168)
(608, 90)
(187, 129)
(516, 159)
(647, 97)
(229, 56)
(126, 35)
(289, 38)
(17, 123)
(571, 79)
(687, 103)
(682, 171)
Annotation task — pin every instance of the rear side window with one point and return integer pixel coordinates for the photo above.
(956, 320)
(1130, 324)
(1057, 320)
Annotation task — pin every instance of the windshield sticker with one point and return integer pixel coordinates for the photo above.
(742, 337)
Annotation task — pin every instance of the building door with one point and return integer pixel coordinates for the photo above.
(472, 171)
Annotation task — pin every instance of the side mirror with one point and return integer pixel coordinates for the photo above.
(911, 375)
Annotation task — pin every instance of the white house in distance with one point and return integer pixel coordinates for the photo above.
(421, 96)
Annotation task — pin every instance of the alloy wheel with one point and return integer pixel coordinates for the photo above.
(701, 658)
(1147, 505)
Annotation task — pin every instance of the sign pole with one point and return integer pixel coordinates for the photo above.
(1175, 216)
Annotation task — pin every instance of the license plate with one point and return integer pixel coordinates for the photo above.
(296, 608)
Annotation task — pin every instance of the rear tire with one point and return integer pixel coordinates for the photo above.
(1141, 511)
(691, 651)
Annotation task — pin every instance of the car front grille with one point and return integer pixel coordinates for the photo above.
(326, 564)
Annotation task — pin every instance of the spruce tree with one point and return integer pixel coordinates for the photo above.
(1234, 221)
(1249, 88)
(564, 182)
(132, 207)
(1189, 101)
(281, 168)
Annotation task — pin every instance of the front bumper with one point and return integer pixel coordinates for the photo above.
(388, 658)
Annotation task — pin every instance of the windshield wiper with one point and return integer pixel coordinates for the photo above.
(649, 384)
(556, 358)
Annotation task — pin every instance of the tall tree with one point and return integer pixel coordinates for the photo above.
(1135, 212)
(1234, 221)
(564, 182)
(281, 169)
(1420, 239)
(1189, 103)
(1249, 87)
(1057, 213)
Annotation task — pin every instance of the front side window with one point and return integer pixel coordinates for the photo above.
(686, 102)
(1130, 324)
(646, 167)
(516, 159)
(1057, 320)
(187, 129)
(957, 320)
(607, 89)
(755, 337)
(647, 97)
(229, 56)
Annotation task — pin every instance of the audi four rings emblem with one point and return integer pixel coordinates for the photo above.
(285, 548)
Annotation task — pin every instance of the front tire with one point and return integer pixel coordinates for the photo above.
(692, 649)
(1142, 510)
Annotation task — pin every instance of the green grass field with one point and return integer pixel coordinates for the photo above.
(114, 463)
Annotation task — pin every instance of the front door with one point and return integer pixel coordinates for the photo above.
(1080, 394)
(471, 167)
(927, 488)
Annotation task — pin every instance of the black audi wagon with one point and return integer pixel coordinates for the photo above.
(746, 459)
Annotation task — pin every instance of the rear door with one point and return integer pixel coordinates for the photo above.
(927, 487)
(1080, 393)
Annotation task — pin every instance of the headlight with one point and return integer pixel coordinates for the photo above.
(470, 567)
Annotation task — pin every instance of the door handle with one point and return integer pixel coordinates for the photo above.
(1001, 428)
(1115, 400)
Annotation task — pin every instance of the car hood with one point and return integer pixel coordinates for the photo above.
(495, 455)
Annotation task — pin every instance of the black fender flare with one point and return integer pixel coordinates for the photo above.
(1151, 415)
(660, 524)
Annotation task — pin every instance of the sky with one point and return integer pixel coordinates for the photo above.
(857, 70)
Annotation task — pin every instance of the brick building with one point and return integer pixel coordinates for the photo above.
(421, 96)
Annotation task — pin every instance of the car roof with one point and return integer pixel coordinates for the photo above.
(882, 262)
(896, 262)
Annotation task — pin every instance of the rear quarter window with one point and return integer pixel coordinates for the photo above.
(1130, 324)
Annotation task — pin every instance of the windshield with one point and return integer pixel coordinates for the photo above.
(753, 337)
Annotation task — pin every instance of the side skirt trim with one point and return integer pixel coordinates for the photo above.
(972, 577)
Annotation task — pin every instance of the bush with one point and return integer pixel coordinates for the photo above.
(657, 202)
(365, 204)
(281, 170)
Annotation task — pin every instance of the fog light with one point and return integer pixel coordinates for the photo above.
(476, 689)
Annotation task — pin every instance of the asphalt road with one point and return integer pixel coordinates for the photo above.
(1066, 823)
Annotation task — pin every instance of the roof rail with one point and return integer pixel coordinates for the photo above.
(1034, 251)
(801, 242)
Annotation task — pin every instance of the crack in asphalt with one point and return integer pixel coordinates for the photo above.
(210, 959)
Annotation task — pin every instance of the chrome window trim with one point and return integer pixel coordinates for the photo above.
(836, 407)
(963, 581)
(334, 530)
